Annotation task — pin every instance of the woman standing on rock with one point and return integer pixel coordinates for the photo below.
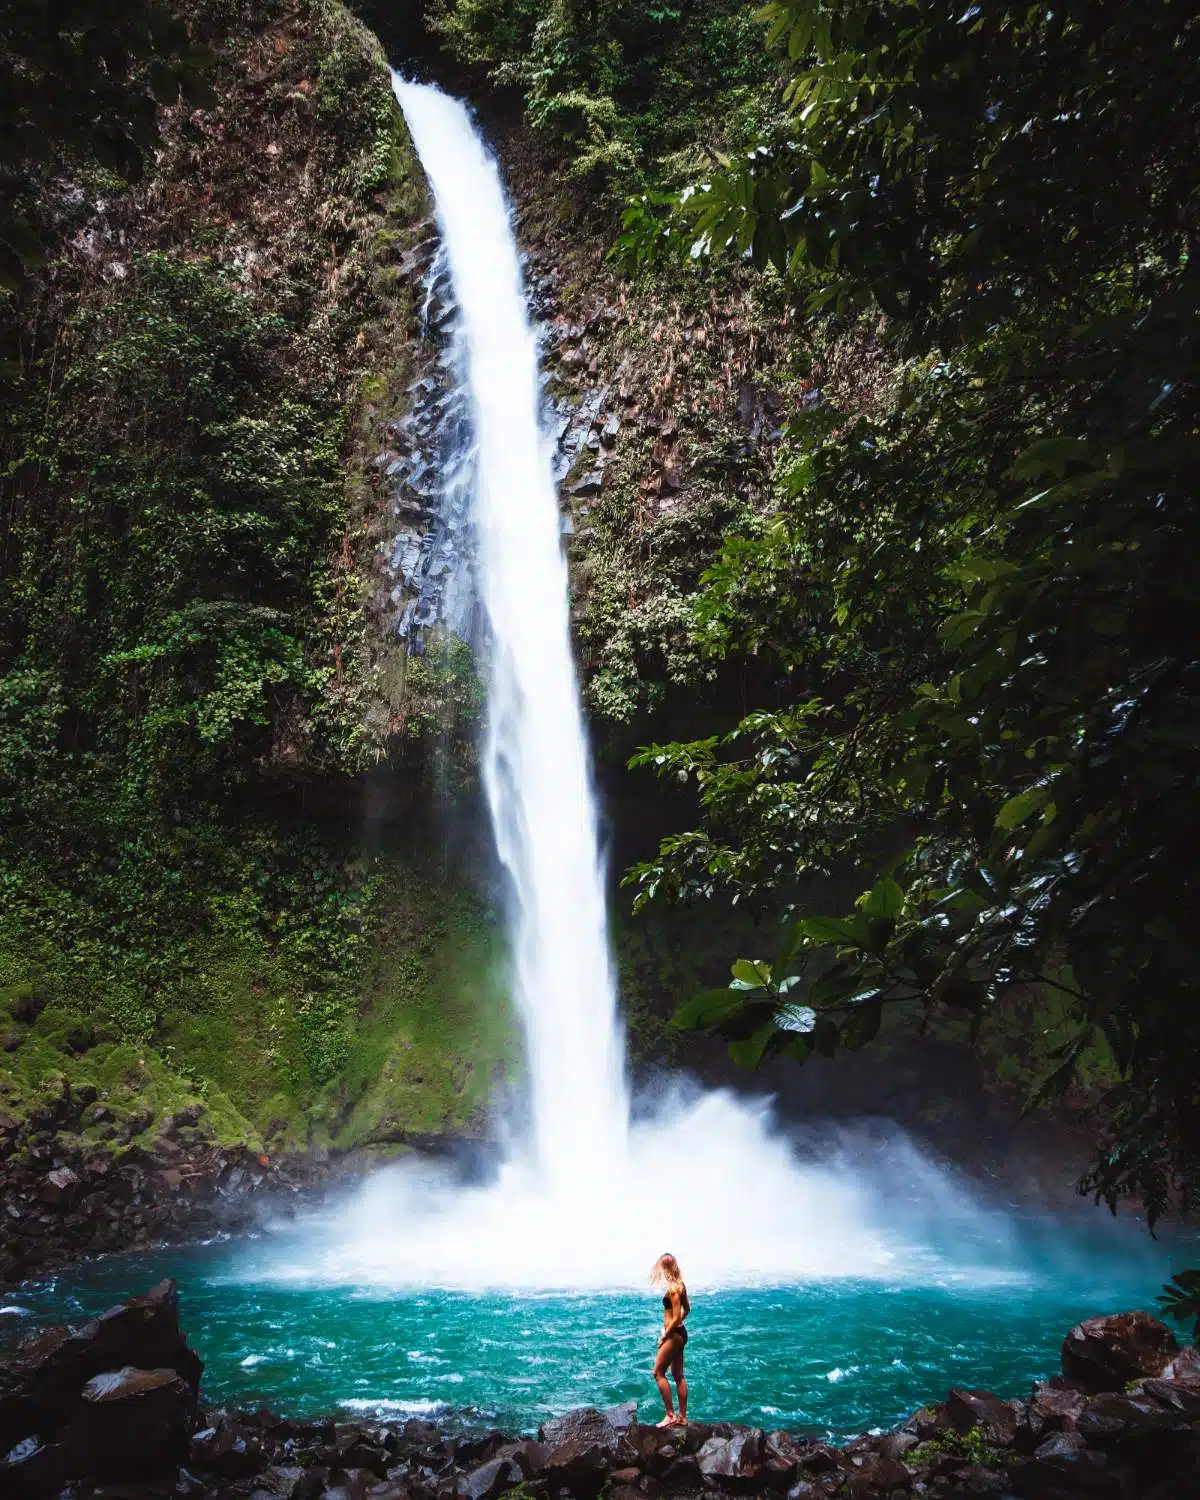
(666, 1273)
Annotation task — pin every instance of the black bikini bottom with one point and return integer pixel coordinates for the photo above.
(679, 1336)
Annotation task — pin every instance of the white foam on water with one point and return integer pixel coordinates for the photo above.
(384, 1407)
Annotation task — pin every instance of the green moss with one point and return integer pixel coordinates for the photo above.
(136, 1084)
(436, 1031)
(426, 1030)
(972, 1446)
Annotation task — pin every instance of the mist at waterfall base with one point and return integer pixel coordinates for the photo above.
(832, 1288)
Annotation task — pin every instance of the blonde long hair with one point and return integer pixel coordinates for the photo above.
(666, 1272)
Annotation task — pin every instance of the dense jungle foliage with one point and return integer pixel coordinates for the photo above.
(970, 622)
(196, 295)
(84, 81)
(621, 88)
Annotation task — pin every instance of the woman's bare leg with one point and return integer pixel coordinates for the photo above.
(662, 1360)
(680, 1383)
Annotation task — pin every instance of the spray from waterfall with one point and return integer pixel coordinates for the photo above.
(586, 1199)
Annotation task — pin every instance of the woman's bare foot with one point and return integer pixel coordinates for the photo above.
(677, 1421)
(670, 1420)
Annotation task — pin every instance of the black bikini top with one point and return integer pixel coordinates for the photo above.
(683, 1298)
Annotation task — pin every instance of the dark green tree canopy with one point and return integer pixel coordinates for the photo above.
(958, 163)
(973, 619)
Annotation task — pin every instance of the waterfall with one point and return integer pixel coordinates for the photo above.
(584, 1199)
(535, 760)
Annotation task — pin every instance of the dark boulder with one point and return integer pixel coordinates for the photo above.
(60, 1188)
(131, 1425)
(468, 1451)
(420, 1434)
(530, 1456)
(1099, 1428)
(280, 1482)
(781, 1462)
(1063, 1468)
(635, 1487)
(968, 1409)
(622, 1417)
(579, 1431)
(1185, 1365)
(1180, 1395)
(45, 1388)
(733, 1462)
(366, 1455)
(683, 1473)
(878, 1476)
(227, 1451)
(1105, 1354)
(1133, 1406)
(1060, 1445)
(630, 1481)
(820, 1459)
(1054, 1407)
(692, 1438)
(583, 1446)
(897, 1444)
(350, 1484)
(314, 1433)
(33, 1468)
(489, 1480)
(654, 1449)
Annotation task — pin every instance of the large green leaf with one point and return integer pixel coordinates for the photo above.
(707, 1009)
(751, 973)
(841, 930)
(885, 899)
(1019, 808)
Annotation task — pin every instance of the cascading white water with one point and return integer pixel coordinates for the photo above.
(535, 756)
(588, 1200)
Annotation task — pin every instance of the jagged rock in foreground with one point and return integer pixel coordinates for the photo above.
(1105, 1354)
(112, 1400)
(110, 1410)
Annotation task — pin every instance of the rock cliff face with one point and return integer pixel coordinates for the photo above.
(232, 924)
(116, 1403)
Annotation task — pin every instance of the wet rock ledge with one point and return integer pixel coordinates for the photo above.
(62, 1197)
(112, 1410)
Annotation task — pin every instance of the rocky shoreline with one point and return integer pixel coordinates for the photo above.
(112, 1411)
(64, 1197)
(79, 1178)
